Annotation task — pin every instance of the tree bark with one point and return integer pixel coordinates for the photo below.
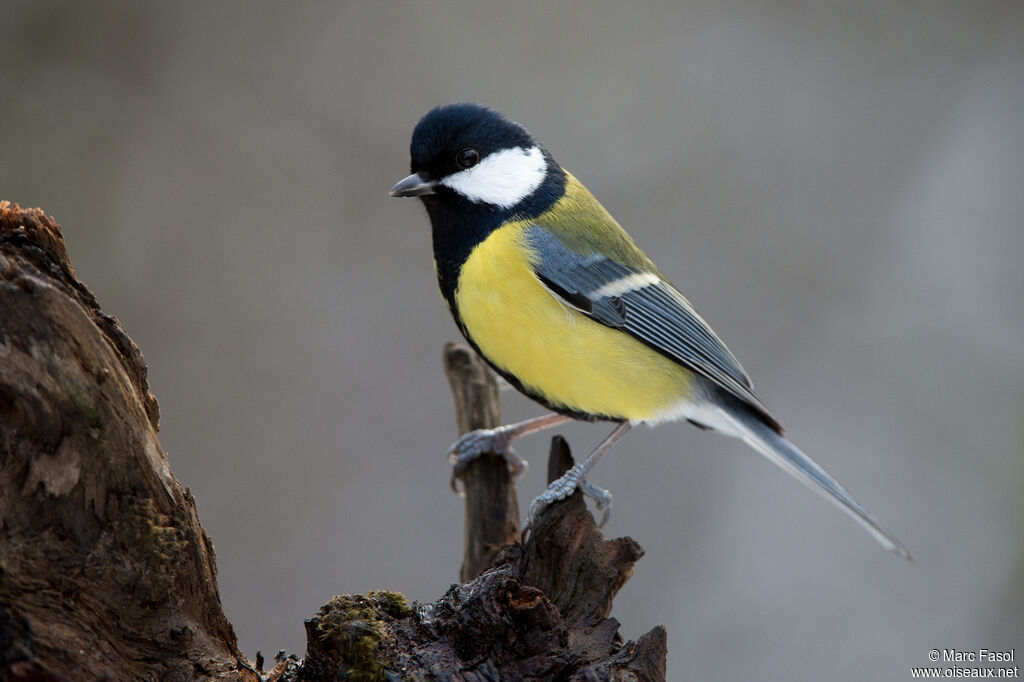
(492, 508)
(105, 570)
(107, 573)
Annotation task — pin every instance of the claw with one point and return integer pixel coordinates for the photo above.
(475, 443)
(517, 466)
(559, 489)
(601, 497)
(565, 486)
(454, 483)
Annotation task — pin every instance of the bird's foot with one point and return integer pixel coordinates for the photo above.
(601, 497)
(565, 486)
(475, 443)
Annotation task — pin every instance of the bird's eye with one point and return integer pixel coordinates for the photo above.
(467, 158)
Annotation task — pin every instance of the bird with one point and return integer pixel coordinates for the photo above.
(557, 298)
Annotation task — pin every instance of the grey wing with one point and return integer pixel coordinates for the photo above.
(644, 306)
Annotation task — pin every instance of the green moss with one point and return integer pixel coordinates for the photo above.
(157, 543)
(393, 603)
(155, 532)
(356, 628)
(81, 403)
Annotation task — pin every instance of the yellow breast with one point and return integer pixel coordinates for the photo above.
(554, 350)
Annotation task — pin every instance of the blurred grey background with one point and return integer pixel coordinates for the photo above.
(839, 187)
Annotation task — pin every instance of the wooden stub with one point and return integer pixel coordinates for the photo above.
(492, 510)
(581, 582)
(542, 614)
(559, 459)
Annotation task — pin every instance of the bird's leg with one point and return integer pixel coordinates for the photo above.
(575, 477)
(498, 440)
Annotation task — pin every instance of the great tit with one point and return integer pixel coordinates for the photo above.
(556, 297)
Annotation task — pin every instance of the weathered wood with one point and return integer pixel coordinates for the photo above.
(581, 582)
(492, 508)
(105, 570)
(502, 625)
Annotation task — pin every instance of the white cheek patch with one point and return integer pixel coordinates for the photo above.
(503, 178)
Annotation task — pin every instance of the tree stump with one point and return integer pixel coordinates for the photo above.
(105, 570)
(540, 614)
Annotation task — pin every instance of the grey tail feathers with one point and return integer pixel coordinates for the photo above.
(781, 451)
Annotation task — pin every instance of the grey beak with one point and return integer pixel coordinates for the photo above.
(413, 186)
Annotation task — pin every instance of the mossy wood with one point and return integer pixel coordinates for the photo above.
(107, 573)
